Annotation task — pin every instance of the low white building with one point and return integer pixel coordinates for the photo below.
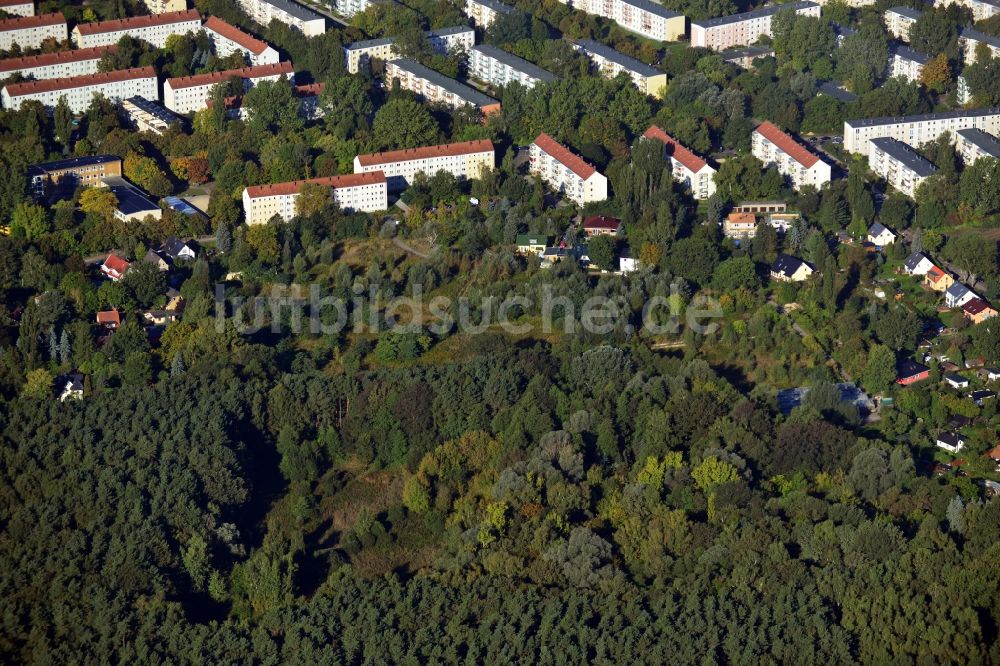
(917, 264)
(228, 39)
(191, 93)
(906, 63)
(726, 32)
(565, 172)
(773, 146)
(484, 12)
(917, 130)
(901, 166)
(154, 29)
(29, 32)
(973, 144)
(80, 90)
(899, 20)
(18, 7)
(611, 63)
(444, 41)
(435, 87)
(133, 204)
(289, 12)
(880, 235)
(59, 65)
(686, 167)
(352, 192)
(462, 160)
(491, 65)
(952, 442)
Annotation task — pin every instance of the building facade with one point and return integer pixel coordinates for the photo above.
(444, 41)
(917, 130)
(191, 93)
(153, 29)
(969, 40)
(643, 17)
(686, 167)
(18, 7)
(29, 32)
(981, 9)
(611, 63)
(228, 39)
(901, 166)
(165, 6)
(498, 68)
(484, 12)
(773, 146)
(899, 20)
(69, 173)
(353, 192)
(80, 90)
(437, 88)
(726, 32)
(462, 160)
(973, 144)
(60, 65)
(566, 172)
(289, 12)
(906, 63)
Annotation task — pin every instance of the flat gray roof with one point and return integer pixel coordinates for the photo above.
(520, 64)
(447, 32)
(369, 43)
(609, 53)
(469, 94)
(906, 53)
(756, 51)
(902, 153)
(830, 88)
(945, 115)
(495, 5)
(908, 12)
(977, 36)
(295, 9)
(757, 13)
(652, 8)
(131, 199)
(982, 140)
(385, 41)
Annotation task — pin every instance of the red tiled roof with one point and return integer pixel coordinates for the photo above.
(935, 273)
(308, 90)
(994, 453)
(47, 85)
(742, 218)
(601, 222)
(74, 55)
(138, 22)
(116, 263)
(691, 161)
(563, 155)
(787, 144)
(443, 150)
(975, 306)
(212, 78)
(109, 317)
(347, 180)
(234, 34)
(14, 3)
(24, 22)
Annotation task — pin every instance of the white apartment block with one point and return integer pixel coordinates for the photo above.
(191, 93)
(18, 7)
(917, 130)
(726, 32)
(611, 63)
(228, 39)
(289, 12)
(165, 6)
(686, 167)
(80, 90)
(484, 12)
(462, 160)
(437, 88)
(61, 65)
(899, 20)
(901, 166)
(353, 192)
(566, 172)
(906, 63)
(643, 17)
(498, 68)
(969, 40)
(772, 146)
(153, 29)
(349, 8)
(981, 9)
(973, 144)
(29, 32)
(445, 41)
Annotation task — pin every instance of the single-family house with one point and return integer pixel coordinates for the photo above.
(956, 381)
(114, 267)
(975, 362)
(161, 317)
(739, 226)
(938, 279)
(952, 442)
(528, 244)
(917, 264)
(787, 268)
(109, 319)
(990, 374)
(994, 455)
(981, 396)
(158, 261)
(175, 302)
(178, 250)
(626, 262)
(958, 295)
(72, 388)
(977, 311)
(910, 372)
(601, 225)
(880, 236)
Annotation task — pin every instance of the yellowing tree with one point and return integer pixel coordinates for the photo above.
(100, 201)
(312, 198)
(712, 473)
(936, 73)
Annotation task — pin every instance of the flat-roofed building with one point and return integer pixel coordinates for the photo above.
(969, 40)
(744, 57)
(981, 9)
(289, 12)
(18, 7)
(973, 144)
(773, 146)
(70, 173)
(154, 29)
(437, 88)
(29, 32)
(899, 20)
(59, 65)
(899, 164)
(643, 17)
(365, 192)
(611, 63)
(686, 167)
(228, 39)
(462, 160)
(566, 172)
(133, 203)
(484, 12)
(191, 93)
(726, 32)
(917, 130)
(80, 90)
(906, 63)
(149, 116)
(444, 41)
(499, 68)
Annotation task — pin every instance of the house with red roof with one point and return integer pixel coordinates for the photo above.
(938, 279)
(566, 172)
(114, 267)
(800, 166)
(109, 319)
(601, 225)
(686, 166)
(977, 311)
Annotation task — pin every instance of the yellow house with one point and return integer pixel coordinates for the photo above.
(938, 280)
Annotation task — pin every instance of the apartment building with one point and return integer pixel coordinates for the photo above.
(191, 93)
(80, 90)
(726, 32)
(981, 9)
(686, 167)
(437, 88)
(149, 116)
(972, 144)
(899, 20)
(18, 7)
(165, 6)
(906, 63)
(484, 12)
(29, 32)
(69, 173)
(444, 41)
(462, 160)
(611, 63)
(61, 65)
(899, 164)
(969, 40)
(289, 12)
(491, 65)
(566, 172)
(154, 29)
(773, 146)
(919, 129)
(228, 39)
(352, 192)
(643, 17)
